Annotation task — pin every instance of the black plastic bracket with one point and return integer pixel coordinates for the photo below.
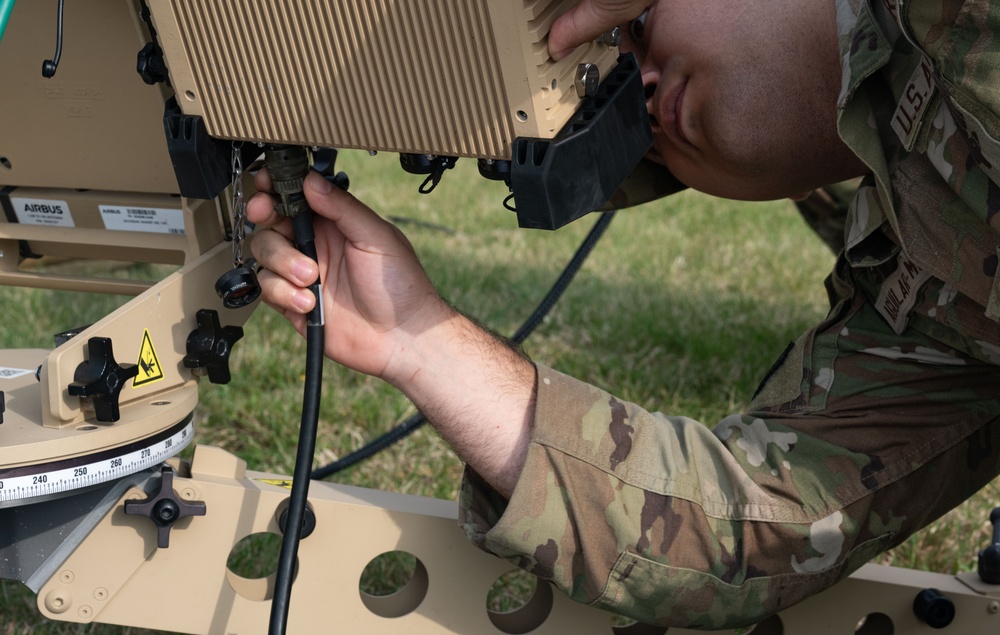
(555, 181)
(164, 507)
(202, 164)
(101, 379)
(3, 406)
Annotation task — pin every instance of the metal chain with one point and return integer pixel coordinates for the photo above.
(238, 205)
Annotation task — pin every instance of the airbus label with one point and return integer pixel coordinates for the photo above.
(37, 211)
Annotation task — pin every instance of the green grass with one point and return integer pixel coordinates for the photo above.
(682, 308)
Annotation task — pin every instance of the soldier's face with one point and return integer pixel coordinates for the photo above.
(742, 94)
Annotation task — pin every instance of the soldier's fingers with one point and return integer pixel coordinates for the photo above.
(587, 20)
(297, 319)
(275, 253)
(287, 298)
(260, 211)
(262, 180)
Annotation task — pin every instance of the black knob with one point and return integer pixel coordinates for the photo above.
(934, 608)
(101, 379)
(989, 558)
(150, 65)
(209, 346)
(164, 508)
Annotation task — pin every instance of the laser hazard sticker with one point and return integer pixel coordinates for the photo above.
(149, 364)
(277, 482)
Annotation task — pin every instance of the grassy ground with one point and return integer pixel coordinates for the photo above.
(682, 307)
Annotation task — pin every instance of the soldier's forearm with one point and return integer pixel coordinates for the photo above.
(479, 394)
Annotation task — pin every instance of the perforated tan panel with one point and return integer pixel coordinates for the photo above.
(447, 77)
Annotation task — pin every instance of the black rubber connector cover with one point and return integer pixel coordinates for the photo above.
(934, 608)
(555, 181)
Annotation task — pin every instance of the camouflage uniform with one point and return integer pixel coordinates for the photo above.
(871, 425)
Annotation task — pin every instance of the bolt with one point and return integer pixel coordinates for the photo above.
(188, 493)
(993, 607)
(66, 577)
(588, 78)
(610, 38)
(85, 612)
(166, 512)
(101, 594)
(58, 601)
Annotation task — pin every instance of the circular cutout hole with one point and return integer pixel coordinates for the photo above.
(771, 626)
(522, 116)
(393, 584)
(875, 624)
(189, 94)
(5, 163)
(518, 603)
(621, 625)
(160, 403)
(252, 566)
(554, 84)
(86, 428)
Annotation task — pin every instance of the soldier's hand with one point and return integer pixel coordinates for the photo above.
(384, 318)
(587, 20)
(376, 296)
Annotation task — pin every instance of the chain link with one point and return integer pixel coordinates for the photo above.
(238, 205)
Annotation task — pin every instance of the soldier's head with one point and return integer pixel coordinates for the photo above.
(743, 94)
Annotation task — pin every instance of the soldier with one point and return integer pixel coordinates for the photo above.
(871, 425)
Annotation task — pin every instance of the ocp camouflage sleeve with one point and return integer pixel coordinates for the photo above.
(871, 425)
(840, 456)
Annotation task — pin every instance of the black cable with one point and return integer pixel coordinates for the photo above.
(562, 282)
(415, 421)
(304, 240)
(49, 66)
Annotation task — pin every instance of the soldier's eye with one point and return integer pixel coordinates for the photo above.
(637, 27)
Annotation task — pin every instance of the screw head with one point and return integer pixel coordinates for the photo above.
(166, 512)
(58, 601)
(588, 78)
(610, 38)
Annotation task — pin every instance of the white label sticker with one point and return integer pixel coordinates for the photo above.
(155, 220)
(39, 211)
(12, 373)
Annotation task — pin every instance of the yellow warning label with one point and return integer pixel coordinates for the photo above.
(149, 363)
(279, 482)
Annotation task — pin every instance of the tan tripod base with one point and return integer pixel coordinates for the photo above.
(119, 576)
(52, 442)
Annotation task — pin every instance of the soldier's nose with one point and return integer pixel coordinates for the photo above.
(649, 89)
